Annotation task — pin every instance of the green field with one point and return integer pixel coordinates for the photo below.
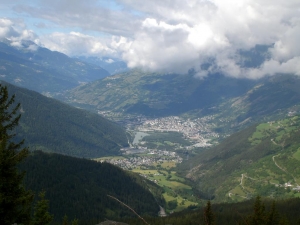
(182, 203)
(109, 158)
(296, 155)
(177, 194)
(275, 130)
(165, 140)
(175, 189)
(166, 165)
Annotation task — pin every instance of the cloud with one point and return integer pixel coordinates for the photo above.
(75, 43)
(16, 33)
(175, 36)
(109, 61)
(187, 34)
(72, 43)
(6, 29)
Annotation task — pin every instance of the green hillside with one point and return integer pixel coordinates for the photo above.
(78, 188)
(233, 103)
(272, 98)
(262, 159)
(152, 94)
(42, 70)
(49, 125)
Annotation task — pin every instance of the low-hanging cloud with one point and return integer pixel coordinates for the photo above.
(175, 36)
(76, 44)
(16, 33)
(187, 37)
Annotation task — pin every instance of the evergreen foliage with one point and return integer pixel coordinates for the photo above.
(209, 218)
(52, 126)
(259, 214)
(41, 215)
(78, 188)
(15, 200)
(65, 220)
(273, 217)
(283, 212)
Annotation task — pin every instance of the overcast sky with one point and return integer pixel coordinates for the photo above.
(163, 35)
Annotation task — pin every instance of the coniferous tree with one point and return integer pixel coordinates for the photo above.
(65, 220)
(259, 216)
(209, 217)
(41, 215)
(75, 222)
(273, 217)
(15, 200)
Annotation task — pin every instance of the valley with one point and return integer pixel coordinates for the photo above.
(169, 112)
(174, 151)
(165, 146)
(159, 167)
(159, 147)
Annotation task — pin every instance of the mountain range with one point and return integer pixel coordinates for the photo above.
(112, 65)
(43, 70)
(83, 83)
(152, 94)
(237, 103)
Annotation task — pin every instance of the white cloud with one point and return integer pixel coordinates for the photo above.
(271, 67)
(185, 34)
(109, 61)
(6, 29)
(16, 32)
(75, 43)
(171, 36)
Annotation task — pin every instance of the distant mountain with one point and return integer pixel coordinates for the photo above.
(234, 103)
(261, 160)
(112, 65)
(79, 188)
(49, 125)
(152, 94)
(42, 70)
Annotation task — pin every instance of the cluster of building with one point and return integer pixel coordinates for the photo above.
(197, 130)
(151, 157)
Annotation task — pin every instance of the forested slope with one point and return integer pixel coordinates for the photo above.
(78, 188)
(49, 125)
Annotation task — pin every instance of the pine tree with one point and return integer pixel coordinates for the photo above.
(15, 201)
(209, 217)
(41, 215)
(65, 220)
(259, 215)
(273, 217)
(75, 222)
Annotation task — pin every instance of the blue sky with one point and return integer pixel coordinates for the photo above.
(162, 35)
